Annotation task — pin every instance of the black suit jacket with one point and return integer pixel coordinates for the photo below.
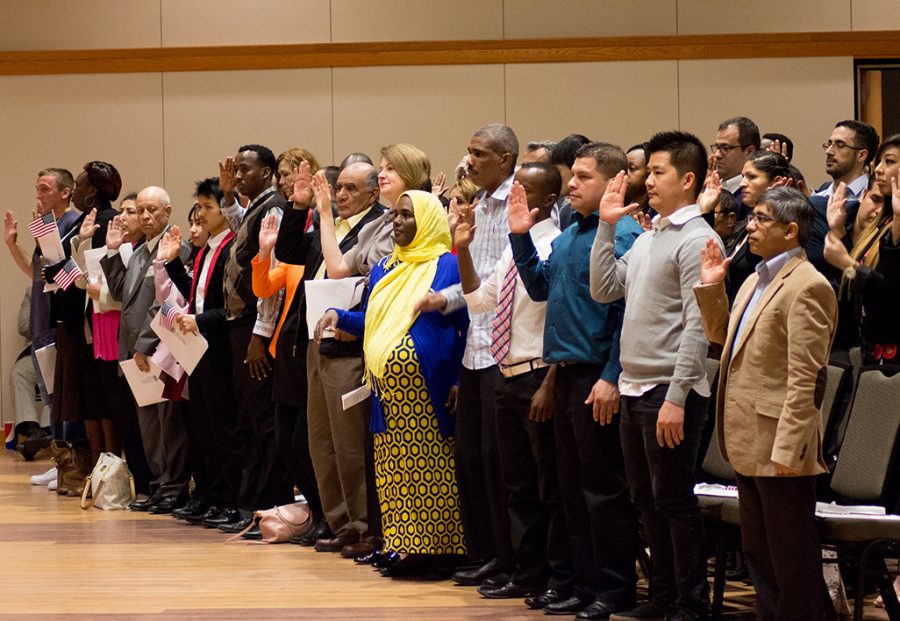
(211, 322)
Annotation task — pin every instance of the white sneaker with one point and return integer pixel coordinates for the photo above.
(52, 485)
(44, 479)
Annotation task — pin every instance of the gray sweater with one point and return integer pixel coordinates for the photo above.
(662, 341)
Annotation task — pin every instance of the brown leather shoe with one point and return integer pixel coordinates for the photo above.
(366, 546)
(337, 543)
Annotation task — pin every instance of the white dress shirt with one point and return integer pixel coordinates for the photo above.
(527, 323)
(212, 244)
(855, 188)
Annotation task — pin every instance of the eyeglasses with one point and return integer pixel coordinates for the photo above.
(839, 145)
(760, 218)
(725, 148)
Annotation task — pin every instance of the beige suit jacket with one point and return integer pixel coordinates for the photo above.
(772, 381)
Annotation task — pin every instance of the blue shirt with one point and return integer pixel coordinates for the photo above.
(766, 270)
(577, 328)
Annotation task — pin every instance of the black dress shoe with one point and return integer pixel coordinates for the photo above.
(320, 530)
(496, 581)
(509, 590)
(225, 516)
(144, 505)
(386, 560)
(253, 534)
(369, 559)
(597, 610)
(410, 565)
(538, 602)
(236, 527)
(475, 577)
(196, 519)
(197, 506)
(570, 606)
(169, 502)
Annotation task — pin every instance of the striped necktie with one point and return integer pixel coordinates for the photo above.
(502, 323)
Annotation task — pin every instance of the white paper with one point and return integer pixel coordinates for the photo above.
(147, 388)
(125, 251)
(187, 348)
(52, 251)
(343, 293)
(355, 396)
(94, 270)
(46, 359)
(714, 489)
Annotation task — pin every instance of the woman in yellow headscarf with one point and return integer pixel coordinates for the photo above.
(413, 363)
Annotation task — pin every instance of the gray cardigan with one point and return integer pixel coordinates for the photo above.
(662, 341)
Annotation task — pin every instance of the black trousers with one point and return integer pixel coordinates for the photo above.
(478, 473)
(265, 482)
(661, 481)
(528, 461)
(213, 422)
(602, 521)
(779, 537)
(293, 445)
(116, 387)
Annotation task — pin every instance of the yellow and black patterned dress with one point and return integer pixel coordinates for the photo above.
(414, 465)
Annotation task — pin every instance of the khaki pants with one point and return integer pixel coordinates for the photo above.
(337, 440)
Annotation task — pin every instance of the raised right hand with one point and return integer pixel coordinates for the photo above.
(303, 186)
(226, 175)
(521, 219)
(612, 205)
(115, 233)
(464, 233)
(10, 229)
(268, 235)
(713, 268)
(88, 228)
(322, 190)
(836, 213)
(169, 245)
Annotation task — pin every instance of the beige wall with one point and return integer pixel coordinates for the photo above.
(171, 129)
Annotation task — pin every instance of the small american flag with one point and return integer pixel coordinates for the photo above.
(67, 275)
(167, 315)
(42, 225)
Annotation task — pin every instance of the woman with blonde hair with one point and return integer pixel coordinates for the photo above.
(403, 167)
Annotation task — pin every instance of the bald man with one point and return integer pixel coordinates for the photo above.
(161, 424)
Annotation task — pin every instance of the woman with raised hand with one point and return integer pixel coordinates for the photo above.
(403, 167)
(871, 268)
(413, 361)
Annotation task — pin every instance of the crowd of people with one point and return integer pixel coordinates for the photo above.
(515, 397)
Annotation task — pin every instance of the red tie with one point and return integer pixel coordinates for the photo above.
(502, 324)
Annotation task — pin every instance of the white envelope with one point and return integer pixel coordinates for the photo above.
(52, 251)
(46, 359)
(343, 293)
(147, 388)
(94, 270)
(187, 348)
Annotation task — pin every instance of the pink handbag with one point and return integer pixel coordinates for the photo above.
(280, 524)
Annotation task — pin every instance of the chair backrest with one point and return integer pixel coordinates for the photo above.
(836, 384)
(713, 462)
(865, 455)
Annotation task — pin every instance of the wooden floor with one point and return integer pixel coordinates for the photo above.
(57, 560)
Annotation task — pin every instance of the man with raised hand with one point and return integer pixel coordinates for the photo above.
(775, 341)
(582, 338)
(162, 428)
(663, 381)
(542, 566)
